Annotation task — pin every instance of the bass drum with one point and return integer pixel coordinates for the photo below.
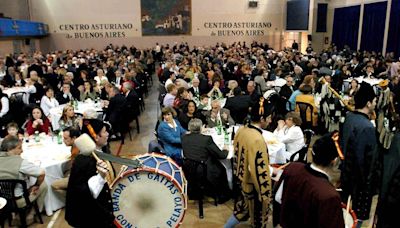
(151, 196)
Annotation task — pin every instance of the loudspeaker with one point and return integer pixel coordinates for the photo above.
(309, 37)
(253, 4)
(27, 41)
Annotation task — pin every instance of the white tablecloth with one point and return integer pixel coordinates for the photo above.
(372, 82)
(279, 82)
(55, 113)
(219, 141)
(54, 159)
(276, 149)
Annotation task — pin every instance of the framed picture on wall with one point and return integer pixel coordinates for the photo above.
(166, 17)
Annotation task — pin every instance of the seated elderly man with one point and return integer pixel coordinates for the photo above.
(12, 166)
(199, 147)
(218, 114)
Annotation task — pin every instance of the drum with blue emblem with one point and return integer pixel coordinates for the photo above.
(153, 195)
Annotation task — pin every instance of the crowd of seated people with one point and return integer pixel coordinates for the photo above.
(227, 81)
(64, 77)
(211, 86)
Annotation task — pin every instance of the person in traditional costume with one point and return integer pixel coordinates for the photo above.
(305, 195)
(361, 156)
(389, 198)
(88, 202)
(251, 174)
(385, 111)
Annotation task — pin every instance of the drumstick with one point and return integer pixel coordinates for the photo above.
(348, 208)
(337, 95)
(283, 166)
(97, 159)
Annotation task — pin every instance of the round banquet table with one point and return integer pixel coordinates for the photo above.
(55, 113)
(276, 149)
(54, 159)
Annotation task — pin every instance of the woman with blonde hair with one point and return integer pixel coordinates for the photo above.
(68, 118)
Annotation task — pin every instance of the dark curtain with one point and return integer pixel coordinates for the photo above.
(321, 17)
(345, 26)
(373, 27)
(393, 42)
(297, 14)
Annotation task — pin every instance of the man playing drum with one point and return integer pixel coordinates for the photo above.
(305, 194)
(88, 202)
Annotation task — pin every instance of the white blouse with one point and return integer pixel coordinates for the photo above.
(46, 104)
(292, 137)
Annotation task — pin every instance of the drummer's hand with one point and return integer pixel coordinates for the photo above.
(102, 168)
(34, 189)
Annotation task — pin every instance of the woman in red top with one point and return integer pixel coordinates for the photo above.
(37, 122)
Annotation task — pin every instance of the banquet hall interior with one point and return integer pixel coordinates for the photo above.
(229, 113)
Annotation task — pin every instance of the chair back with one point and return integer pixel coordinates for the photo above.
(7, 188)
(162, 92)
(18, 97)
(305, 108)
(308, 134)
(300, 156)
(18, 107)
(196, 175)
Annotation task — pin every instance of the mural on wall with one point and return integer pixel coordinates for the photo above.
(166, 17)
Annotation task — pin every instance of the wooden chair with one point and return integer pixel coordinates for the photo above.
(7, 191)
(305, 108)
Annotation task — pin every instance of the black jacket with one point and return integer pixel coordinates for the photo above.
(114, 112)
(239, 107)
(132, 106)
(81, 209)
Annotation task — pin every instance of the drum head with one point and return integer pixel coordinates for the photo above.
(145, 198)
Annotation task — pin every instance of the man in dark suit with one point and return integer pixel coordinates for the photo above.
(251, 91)
(132, 102)
(118, 79)
(65, 95)
(195, 89)
(238, 105)
(115, 109)
(287, 89)
(199, 147)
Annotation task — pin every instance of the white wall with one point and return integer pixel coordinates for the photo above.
(16, 9)
(56, 13)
